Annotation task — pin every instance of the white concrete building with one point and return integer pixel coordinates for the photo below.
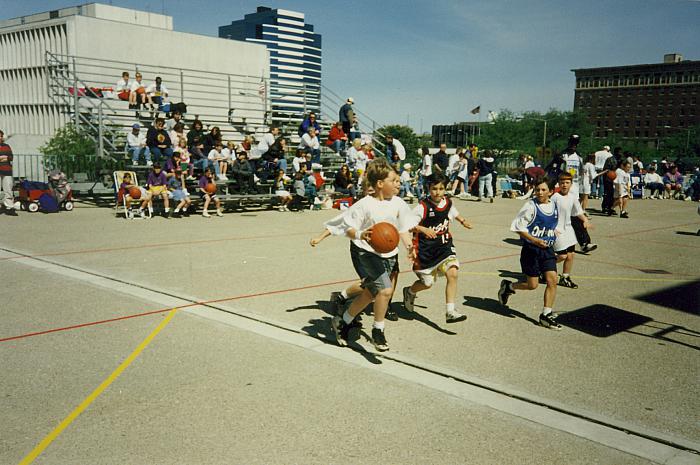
(217, 78)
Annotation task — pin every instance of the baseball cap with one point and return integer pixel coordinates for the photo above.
(350, 100)
(407, 166)
(606, 147)
(136, 126)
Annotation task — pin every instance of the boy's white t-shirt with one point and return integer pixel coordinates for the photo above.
(427, 167)
(622, 183)
(567, 206)
(369, 211)
(453, 163)
(589, 173)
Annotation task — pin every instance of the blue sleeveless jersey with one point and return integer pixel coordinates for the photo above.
(542, 225)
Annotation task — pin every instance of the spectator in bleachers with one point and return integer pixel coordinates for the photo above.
(195, 142)
(177, 134)
(673, 181)
(158, 187)
(281, 190)
(267, 140)
(309, 143)
(298, 160)
(337, 138)
(247, 145)
(138, 95)
(346, 115)
(215, 159)
(157, 92)
(172, 165)
(123, 89)
(128, 183)
(344, 182)
(654, 183)
(355, 156)
(179, 193)
(275, 156)
(355, 132)
(406, 180)
(211, 139)
(368, 150)
(308, 122)
(176, 117)
(208, 178)
(243, 174)
(229, 153)
(136, 145)
(158, 140)
(185, 159)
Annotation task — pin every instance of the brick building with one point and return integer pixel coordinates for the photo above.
(645, 102)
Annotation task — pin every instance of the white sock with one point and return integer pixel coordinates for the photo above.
(347, 318)
(150, 210)
(379, 325)
(167, 210)
(546, 310)
(177, 210)
(450, 307)
(344, 294)
(566, 275)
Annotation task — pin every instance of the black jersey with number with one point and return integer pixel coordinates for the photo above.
(432, 251)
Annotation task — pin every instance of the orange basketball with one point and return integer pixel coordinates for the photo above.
(611, 175)
(211, 188)
(141, 90)
(134, 192)
(384, 238)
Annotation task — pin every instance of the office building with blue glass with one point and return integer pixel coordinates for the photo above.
(295, 58)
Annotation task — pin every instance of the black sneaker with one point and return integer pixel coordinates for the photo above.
(549, 321)
(454, 317)
(379, 340)
(391, 315)
(542, 279)
(11, 212)
(624, 214)
(504, 292)
(340, 330)
(589, 248)
(338, 303)
(408, 299)
(567, 282)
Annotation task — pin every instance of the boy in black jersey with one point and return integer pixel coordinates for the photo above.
(433, 248)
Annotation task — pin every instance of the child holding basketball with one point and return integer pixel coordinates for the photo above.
(435, 252)
(206, 179)
(536, 223)
(383, 205)
(568, 206)
(128, 183)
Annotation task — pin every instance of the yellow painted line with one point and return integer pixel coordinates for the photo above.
(105, 384)
(601, 278)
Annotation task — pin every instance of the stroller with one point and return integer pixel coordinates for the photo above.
(49, 197)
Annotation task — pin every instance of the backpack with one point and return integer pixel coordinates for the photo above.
(48, 203)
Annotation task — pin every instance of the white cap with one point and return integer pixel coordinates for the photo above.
(350, 100)
(606, 147)
(407, 166)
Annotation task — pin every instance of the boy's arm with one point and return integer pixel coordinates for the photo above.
(408, 243)
(538, 242)
(317, 240)
(461, 220)
(425, 231)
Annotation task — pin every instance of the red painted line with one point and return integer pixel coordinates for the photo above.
(213, 301)
(650, 230)
(150, 246)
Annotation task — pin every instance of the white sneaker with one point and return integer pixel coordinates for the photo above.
(281, 208)
(224, 177)
(191, 178)
(130, 215)
(142, 214)
(206, 215)
(149, 163)
(219, 212)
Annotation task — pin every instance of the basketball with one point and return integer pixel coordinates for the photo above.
(384, 238)
(134, 192)
(611, 175)
(211, 188)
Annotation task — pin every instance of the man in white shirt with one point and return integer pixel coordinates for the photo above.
(655, 184)
(310, 144)
(600, 157)
(136, 145)
(426, 169)
(157, 91)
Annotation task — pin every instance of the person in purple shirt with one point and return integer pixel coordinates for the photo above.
(208, 178)
(158, 187)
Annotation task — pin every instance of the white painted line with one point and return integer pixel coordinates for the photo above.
(414, 371)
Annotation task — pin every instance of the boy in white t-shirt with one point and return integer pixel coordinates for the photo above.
(623, 186)
(568, 206)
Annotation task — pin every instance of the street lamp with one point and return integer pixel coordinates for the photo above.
(544, 132)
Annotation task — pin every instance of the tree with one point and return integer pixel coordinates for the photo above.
(70, 151)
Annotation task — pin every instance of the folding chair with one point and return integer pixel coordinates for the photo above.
(637, 186)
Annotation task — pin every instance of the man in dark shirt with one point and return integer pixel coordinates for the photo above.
(441, 159)
(345, 115)
(6, 180)
(158, 140)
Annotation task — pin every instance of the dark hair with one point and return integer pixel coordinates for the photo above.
(425, 150)
(178, 127)
(437, 178)
(551, 182)
(565, 176)
(159, 120)
(197, 123)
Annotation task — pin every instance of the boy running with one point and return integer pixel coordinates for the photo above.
(536, 223)
(435, 252)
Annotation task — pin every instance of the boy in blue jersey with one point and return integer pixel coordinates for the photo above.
(536, 223)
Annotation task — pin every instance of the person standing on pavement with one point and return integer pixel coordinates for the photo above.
(611, 165)
(6, 180)
(600, 157)
(441, 159)
(573, 164)
(485, 167)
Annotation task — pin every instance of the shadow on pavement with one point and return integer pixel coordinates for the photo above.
(321, 329)
(602, 320)
(683, 297)
(512, 241)
(495, 307)
(687, 233)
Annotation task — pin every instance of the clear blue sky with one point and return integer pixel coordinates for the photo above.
(432, 61)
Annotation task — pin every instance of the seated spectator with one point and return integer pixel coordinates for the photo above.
(267, 140)
(138, 95)
(275, 155)
(158, 187)
(176, 133)
(158, 140)
(344, 182)
(247, 146)
(216, 158)
(123, 88)
(299, 159)
(355, 157)
(281, 191)
(317, 173)
(157, 92)
(211, 139)
(172, 165)
(673, 181)
(175, 119)
(355, 132)
(337, 138)
(208, 178)
(693, 191)
(185, 161)
(308, 122)
(654, 183)
(243, 174)
(136, 145)
(195, 143)
(178, 192)
(310, 144)
(406, 180)
(128, 183)
(368, 150)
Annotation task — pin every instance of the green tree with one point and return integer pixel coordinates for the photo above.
(70, 151)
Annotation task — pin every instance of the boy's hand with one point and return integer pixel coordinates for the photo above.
(314, 241)
(541, 243)
(466, 224)
(366, 235)
(428, 232)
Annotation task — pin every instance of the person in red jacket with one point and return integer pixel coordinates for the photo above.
(337, 138)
